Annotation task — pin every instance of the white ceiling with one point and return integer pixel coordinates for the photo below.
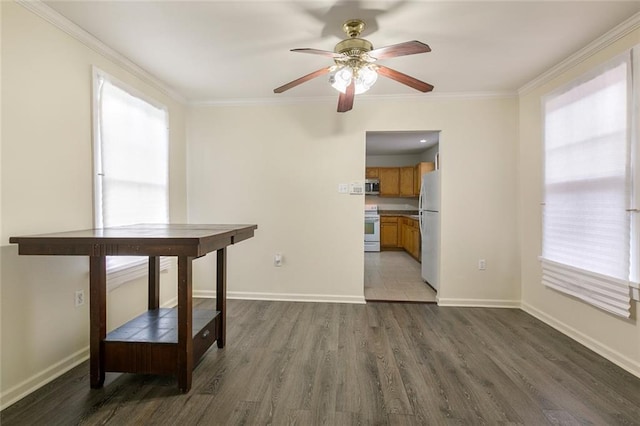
(400, 143)
(216, 51)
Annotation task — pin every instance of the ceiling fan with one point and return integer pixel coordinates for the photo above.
(355, 70)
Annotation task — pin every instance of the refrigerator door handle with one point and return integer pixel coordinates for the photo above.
(420, 210)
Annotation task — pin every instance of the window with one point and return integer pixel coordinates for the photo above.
(586, 242)
(131, 165)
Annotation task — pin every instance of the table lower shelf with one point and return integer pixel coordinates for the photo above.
(148, 344)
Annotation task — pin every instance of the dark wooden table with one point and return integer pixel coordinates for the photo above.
(160, 341)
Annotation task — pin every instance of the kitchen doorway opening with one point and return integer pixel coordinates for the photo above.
(401, 219)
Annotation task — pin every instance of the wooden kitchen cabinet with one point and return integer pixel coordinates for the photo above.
(415, 243)
(420, 170)
(407, 188)
(407, 240)
(411, 240)
(371, 173)
(389, 232)
(389, 181)
(400, 181)
(396, 181)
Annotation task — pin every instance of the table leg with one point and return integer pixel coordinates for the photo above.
(154, 282)
(185, 313)
(221, 294)
(97, 317)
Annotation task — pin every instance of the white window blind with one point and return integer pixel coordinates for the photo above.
(131, 156)
(635, 168)
(587, 188)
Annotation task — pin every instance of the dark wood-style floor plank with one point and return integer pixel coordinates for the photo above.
(338, 364)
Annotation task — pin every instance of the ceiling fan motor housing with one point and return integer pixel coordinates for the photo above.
(353, 47)
(355, 70)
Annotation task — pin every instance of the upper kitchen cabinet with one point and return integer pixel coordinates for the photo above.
(400, 181)
(407, 187)
(421, 169)
(372, 173)
(389, 181)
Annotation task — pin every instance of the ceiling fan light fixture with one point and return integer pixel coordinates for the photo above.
(365, 78)
(341, 78)
(355, 70)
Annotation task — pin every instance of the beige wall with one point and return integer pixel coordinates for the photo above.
(279, 166)
(46, 178)
(617, 339)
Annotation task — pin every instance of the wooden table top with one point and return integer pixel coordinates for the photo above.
(140, 239)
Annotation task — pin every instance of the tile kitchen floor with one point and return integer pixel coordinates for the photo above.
(394, 276)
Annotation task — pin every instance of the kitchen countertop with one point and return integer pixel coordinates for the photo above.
(412, 214)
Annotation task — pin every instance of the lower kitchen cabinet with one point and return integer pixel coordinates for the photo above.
(416, 243)
(389, 232)
(399, 232)
(411, 241)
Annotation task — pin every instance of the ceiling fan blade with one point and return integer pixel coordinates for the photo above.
(345, 100)
(401, 49)
(404, 79)
(302, 79)
(319, 52)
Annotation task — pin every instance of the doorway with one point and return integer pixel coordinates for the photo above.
(398, 160)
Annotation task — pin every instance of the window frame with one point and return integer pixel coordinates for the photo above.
(629, 56)
(122, 273)
(634, 278)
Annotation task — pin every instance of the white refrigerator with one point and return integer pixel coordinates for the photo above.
(430, 227)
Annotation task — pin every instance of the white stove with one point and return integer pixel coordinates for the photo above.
(371, 228)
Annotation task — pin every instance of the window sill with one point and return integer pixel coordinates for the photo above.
(125, 273)
(635, 291)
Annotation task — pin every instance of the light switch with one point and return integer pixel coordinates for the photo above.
(343, 188)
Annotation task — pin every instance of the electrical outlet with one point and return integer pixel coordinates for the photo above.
(79, 298)
(482, 264)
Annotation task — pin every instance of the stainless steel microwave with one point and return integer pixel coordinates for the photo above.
(372, 186)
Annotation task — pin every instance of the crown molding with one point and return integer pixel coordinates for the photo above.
(48, 14)
(360, 98)
(581, 55)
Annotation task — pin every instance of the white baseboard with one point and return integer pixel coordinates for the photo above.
(282, 297)
(622, 361)
(479, 303)
(170, 303)
(35, 382)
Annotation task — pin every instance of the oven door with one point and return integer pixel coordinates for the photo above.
(372, 228)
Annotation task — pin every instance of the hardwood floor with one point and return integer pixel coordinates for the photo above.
(341, 364)
(395, 276)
